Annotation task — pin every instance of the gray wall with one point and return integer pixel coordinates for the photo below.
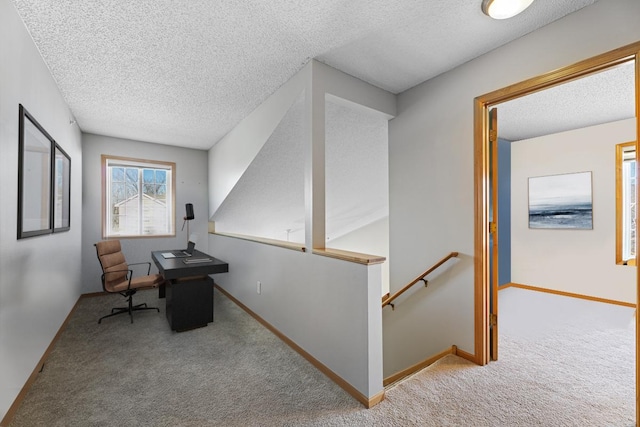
(329, 307)
(431, 170)
(301, 303)
(371, 239)
(39, 276)
(191, 187)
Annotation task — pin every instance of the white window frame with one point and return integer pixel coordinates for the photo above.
(626, 181)
(108, 162)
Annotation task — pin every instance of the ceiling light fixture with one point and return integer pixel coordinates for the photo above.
(503, 9)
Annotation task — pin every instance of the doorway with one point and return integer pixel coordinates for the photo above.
(486, 225)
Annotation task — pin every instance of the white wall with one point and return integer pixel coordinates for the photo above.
(329, 307)
(431, 165)
(268, 199)
(577, 261)
(356, 170)
(232, 155)
(345, 335)
(39, 276)
(191, 187)
(371, 239)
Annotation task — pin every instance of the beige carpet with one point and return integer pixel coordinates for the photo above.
(236, 373)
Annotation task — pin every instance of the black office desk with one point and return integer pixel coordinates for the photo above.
(189, 291)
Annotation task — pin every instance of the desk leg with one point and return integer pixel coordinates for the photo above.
(162, 290)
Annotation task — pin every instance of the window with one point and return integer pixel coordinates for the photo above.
(138, 197)
(626, 176)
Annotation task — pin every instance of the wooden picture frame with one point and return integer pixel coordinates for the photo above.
(61, 190)
(35, 177)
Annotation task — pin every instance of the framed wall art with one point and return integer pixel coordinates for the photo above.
(561, 201)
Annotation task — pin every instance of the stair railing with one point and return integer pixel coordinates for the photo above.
(421, 277)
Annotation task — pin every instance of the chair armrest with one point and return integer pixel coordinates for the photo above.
(140, 263)
(128, 277)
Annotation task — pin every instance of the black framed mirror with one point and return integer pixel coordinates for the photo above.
(61, 190)
(35, 177)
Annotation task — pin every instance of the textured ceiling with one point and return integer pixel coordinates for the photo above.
(185, 72)
(598, 98)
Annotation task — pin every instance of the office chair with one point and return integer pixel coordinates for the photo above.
(117, 277)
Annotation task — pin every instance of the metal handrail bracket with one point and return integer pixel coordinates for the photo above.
(417, 279)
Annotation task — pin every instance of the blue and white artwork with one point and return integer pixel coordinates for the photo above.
(561, 201)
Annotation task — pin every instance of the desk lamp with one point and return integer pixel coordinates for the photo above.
(188, 217)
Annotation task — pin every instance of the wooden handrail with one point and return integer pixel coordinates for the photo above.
(280, 243)
(417, 279)
(350, 256)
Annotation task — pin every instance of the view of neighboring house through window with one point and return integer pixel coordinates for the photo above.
(626, 178)
(138, 197)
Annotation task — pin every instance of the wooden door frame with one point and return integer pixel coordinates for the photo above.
(482, 284)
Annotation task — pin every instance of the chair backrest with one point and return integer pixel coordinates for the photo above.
(114, 266)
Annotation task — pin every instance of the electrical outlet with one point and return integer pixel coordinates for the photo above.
(259, 287)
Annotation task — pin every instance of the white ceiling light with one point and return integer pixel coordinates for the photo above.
(503, 9)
